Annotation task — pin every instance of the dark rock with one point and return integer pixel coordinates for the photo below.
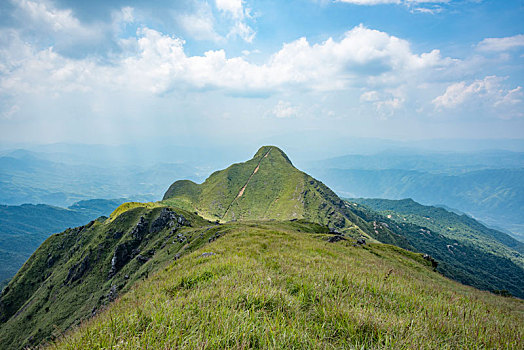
(140, 230)
(123, 254)
(336, 238)
(51, 260)
(182, 221)
(167, 218)
(118, 234)
(429, 258)
(112, 294)
(77, 271)
(151, 252)
(361, 241)
(142, 258)
(177, 256)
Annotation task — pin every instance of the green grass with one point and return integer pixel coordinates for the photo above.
(270, 286)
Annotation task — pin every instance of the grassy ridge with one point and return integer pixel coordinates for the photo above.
(69, 276)
(281, 285)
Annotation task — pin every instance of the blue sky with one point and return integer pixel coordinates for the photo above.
(247, 72)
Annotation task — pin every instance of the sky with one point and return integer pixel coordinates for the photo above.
(242, 72)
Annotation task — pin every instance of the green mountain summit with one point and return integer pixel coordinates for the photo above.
(266, 187)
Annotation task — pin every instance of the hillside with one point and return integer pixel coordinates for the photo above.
(276, 285)
(74, 273)
(24, 227)
(266, 187)
(466, 250)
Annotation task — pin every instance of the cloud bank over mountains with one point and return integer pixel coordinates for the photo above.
(50, 56)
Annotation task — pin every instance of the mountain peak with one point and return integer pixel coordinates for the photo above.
(265, 187)
(274, 152)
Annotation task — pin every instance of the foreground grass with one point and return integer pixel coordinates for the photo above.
(269, 286)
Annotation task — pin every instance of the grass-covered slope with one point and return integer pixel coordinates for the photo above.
(75, 273)
(467, 250)
(281, 285)
(267, 187)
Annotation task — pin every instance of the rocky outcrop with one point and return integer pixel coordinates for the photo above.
(125, 252)
(433, 262)
(77, 271)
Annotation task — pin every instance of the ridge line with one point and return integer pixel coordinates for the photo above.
(241, 192)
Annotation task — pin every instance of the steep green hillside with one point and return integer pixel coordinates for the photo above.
(24, 227)
(75, 273)
(268, 186)
(274, 285)
(467, 250)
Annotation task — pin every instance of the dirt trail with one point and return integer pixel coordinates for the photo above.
(241, 192)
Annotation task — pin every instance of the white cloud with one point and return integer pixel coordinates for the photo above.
(57, 20)
(236, 10)
(489, 92)
(44, 18)
(385, 103)
(381, 2)
(415, 6)
(285, 110)
(369, 96)
(501, 44)
(233, 7)
(201, 24)
(158, 63)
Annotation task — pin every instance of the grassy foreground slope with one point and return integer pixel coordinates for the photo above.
(282, 285)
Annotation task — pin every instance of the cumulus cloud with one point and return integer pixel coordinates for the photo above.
(43, 24)
(200, 25)
(501, 44)
(234, 7)
(43, 14)
(236, 10)
(489, 92)
(158, 63)
(380, 2)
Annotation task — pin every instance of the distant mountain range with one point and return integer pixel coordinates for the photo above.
(262, 224)
(486, 185)
(29, 177)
